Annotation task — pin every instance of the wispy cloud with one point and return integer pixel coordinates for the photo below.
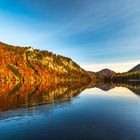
(88, 31)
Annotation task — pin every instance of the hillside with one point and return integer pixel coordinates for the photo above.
(136, 68)
(131, 75)
(26, 64)
(105, 73)
(92, 75)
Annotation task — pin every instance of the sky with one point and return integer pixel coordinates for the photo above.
(96, 34)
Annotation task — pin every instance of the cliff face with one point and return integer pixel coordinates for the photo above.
(28, 65)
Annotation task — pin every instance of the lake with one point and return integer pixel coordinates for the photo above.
(100, 112)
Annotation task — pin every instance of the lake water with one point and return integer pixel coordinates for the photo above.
(70, 113)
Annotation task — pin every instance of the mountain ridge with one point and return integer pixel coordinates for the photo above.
(135, 68)
(29, 64)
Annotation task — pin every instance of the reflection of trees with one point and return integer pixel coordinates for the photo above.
(134, 86)
(14, 95)
(136, 91)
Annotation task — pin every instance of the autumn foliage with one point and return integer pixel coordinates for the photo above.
(25, 64)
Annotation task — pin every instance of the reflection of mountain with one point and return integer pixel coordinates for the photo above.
(131, 85)
(13, 96)
(136, 91)
(105, 86)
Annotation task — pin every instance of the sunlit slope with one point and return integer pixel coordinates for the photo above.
(28, 64)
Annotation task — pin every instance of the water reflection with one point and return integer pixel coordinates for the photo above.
(46, 111)
(132, 86)
(14, 95)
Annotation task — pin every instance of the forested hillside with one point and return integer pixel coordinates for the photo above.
(26, 64)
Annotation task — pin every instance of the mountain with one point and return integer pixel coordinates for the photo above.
(92, 74)
(131, 75)
(105, 73)
(136, 68)
(26, 64)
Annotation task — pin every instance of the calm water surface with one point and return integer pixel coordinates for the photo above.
(91, 114)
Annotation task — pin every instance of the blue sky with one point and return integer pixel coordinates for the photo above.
(94, 33)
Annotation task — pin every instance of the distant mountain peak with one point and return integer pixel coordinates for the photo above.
(106, 70)
(106, 73)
